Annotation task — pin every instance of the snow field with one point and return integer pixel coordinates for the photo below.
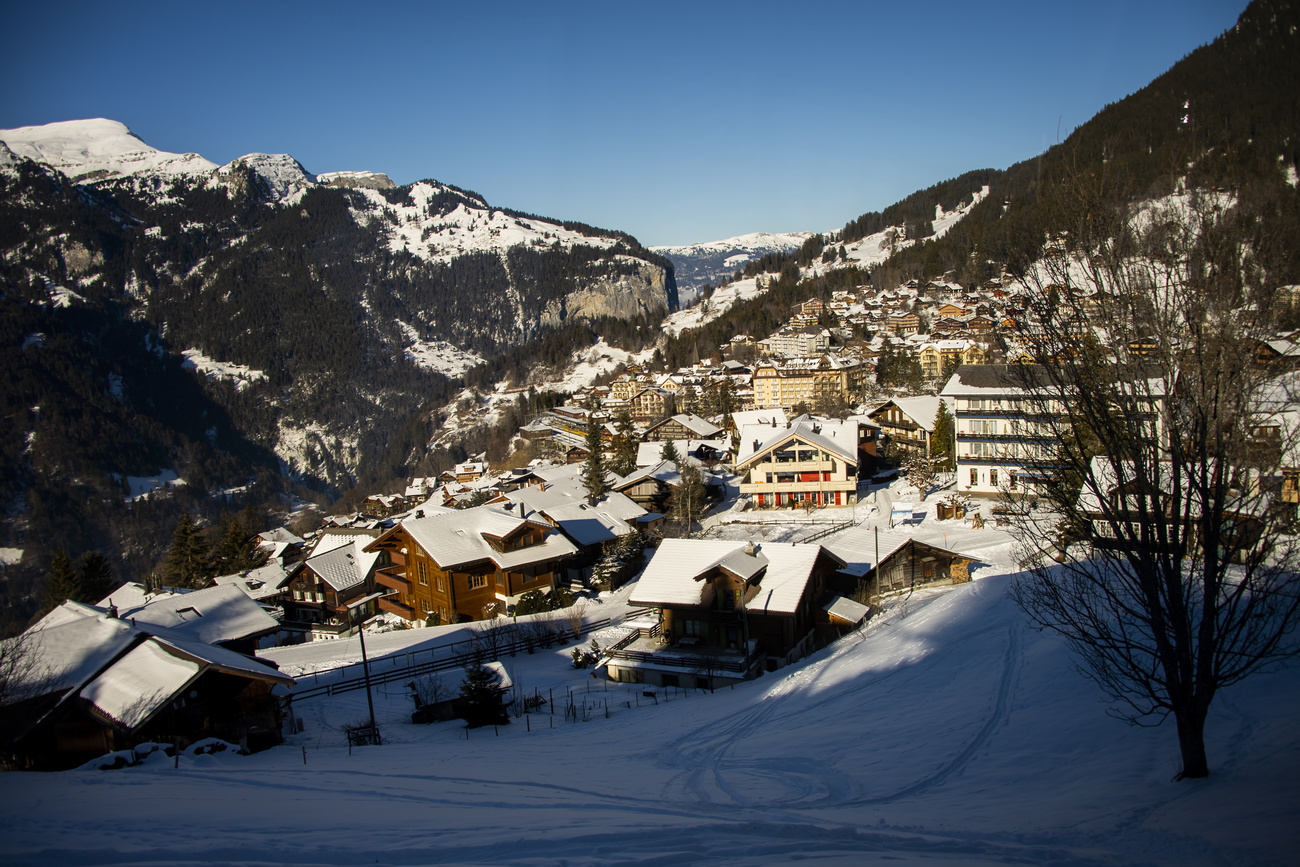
(945, 731)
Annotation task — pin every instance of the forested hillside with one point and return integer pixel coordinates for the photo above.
(234, 335)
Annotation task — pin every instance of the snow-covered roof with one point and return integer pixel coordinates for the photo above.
(140, 684)
(457, 538)
(344, 567)
(845, 609)
(73, 642)
(921, 410)
(281, 534)
(776, 573)
(770, 417)
(220, 613)
(702, 428)
(837, 438)
(264, 582)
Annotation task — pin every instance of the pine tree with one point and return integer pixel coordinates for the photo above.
(188, 564)
(62, 582)
(238, 550)
(96, 577)
(482, 696)
(669, 452)
(623, 461)
(593, 472)
(944, 440)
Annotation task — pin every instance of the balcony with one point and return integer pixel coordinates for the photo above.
(394, 578)
(1023, 436)
(653, 650)
(394, 605)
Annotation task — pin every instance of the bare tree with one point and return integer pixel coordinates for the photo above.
(574, 615)
(1177, 576)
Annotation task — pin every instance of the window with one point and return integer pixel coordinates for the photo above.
(422, 571)
(974, 476)
(993, 478)
(442, 584)
(1013, 480)
(477, 581)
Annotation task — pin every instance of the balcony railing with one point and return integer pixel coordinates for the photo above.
(393, 605)
(393, 578)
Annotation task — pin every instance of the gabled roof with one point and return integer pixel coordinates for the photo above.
(777, 573)
(858, 548)
(459, 538)
(148, 677)
(214, 614)
(700, 427)
(345, 567)
(127, 670)
(921, 410)
(756, 441)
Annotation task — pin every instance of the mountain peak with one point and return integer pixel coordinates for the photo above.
(97, 148)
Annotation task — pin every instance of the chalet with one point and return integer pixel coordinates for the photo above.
(882, 562)
(222, 615)
(464, 565)
(338, 573)
(109, 684)
(948, 325)
(952, 311)
(726, 612)
(814, 462)
(704, 453)
(908, 423)
(682, 427)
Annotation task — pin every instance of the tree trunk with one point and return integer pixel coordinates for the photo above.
(1191, 742)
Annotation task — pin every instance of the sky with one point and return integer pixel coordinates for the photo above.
(675, 122)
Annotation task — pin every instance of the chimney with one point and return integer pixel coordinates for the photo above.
(419, 513)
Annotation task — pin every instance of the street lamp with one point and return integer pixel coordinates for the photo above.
(359, 606)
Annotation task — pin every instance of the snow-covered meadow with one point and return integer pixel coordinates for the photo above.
(946, 731)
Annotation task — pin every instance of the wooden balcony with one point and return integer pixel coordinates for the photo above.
(394, 578)
(394, 605)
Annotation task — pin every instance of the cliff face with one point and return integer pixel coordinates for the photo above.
(650, 292)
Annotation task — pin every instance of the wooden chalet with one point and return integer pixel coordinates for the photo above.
(682, 427)
(338, 572)
(470, 564)
(108, 684)
(726, 612)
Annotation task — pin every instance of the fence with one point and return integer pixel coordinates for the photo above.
(511, 639)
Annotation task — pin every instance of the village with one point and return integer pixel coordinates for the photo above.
(696, 529)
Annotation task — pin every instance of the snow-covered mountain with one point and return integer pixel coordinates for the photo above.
(712, 261)
(307, 318)
(90, 150)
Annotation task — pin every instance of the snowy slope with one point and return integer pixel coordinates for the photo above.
(947, 732)
(99, 148)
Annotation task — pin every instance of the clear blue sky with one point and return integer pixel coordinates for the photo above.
(676, 122)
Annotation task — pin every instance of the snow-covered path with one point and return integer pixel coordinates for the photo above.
(946, 732)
